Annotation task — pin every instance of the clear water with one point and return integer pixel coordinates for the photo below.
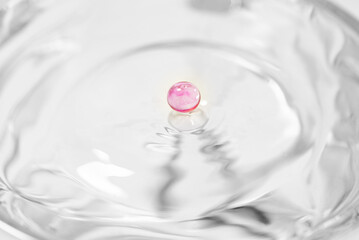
(91, 150)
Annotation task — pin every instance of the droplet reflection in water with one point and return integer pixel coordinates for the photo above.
(188, 121)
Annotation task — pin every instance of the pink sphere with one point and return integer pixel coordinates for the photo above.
(183, 97)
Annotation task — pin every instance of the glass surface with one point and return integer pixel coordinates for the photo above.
(89, 148)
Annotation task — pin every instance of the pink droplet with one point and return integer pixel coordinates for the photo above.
(183, 97)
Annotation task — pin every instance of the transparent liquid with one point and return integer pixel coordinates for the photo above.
(91, 150)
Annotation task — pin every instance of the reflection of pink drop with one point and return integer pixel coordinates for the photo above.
(183, 97)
